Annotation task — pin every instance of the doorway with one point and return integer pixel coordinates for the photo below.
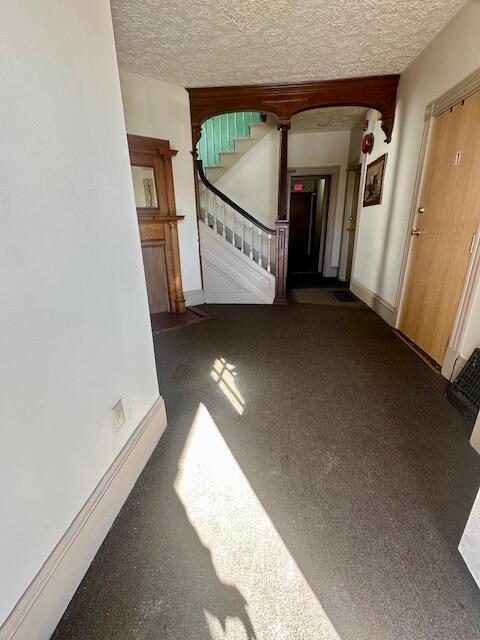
(350, 222)
(309, 205)
(444, 232)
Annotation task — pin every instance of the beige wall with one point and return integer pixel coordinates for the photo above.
(159, 110)
(252, 182)
(382, 230)
(75, 333)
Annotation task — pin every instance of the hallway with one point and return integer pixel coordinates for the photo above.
(312, 483)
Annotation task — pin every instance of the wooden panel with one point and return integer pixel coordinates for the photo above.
(158, 227)
(440, 255)
(285, 100)
(156, 278)
(152, 231)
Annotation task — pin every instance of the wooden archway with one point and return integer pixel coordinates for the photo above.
(286, 100)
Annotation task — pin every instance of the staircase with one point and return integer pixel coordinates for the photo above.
(226, 138)
(237, 251)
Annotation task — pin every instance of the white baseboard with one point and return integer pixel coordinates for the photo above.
(453, 363)
(375, 302)
(39, 610)
(194, 298)
(330, 272)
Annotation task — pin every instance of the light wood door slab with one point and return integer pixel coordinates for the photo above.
(440, 254)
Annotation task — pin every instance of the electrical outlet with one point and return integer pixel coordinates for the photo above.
(118, 415)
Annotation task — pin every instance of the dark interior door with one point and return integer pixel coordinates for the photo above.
(301, 253)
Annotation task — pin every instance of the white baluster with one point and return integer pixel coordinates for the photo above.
(228, 132)
(251, 242)
(269, 260)
(214, 210)
(260, 247)
(242, 234)
(233, 227)
(224, 233)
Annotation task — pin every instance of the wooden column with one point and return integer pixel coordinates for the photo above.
(282, 223)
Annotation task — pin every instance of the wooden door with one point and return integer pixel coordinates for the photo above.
(300, 248)
(444, 229)
(352, 223)
(156, 278)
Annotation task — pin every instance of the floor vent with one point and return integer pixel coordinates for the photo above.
(464, 391)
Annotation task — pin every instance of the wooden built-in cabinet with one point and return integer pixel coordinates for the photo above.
(151, 161)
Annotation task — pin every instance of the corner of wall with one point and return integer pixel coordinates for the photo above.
(41, 607)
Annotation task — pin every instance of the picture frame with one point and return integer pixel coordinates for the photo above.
(374, 177)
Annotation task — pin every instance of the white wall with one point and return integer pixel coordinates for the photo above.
(383, 229)
(324, 149)
(75, 329)
(252, 182)
(160, 110)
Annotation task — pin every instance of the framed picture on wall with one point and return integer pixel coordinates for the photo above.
(374, 181)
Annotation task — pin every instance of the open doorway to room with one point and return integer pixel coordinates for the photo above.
(309, 207)
(324, 155)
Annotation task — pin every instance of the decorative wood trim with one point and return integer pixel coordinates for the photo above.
(40, 608)
(283, 230)
(461, 91)
(283, 227)
(285, 100)
(158, 227)
(283, 185)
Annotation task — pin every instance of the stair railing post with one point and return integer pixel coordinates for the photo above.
(282, 223)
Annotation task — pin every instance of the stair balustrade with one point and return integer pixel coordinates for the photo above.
(218, 135)
(235, 225)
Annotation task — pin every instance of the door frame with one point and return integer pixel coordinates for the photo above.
(452, 361)
(334, 172)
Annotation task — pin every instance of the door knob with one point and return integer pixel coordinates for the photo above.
(415, 231)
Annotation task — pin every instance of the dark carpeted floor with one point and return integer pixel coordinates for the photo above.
(321, 492)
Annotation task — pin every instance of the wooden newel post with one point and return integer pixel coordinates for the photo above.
(282, 223)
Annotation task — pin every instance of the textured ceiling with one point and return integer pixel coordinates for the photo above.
(328, 119)
(220, 42)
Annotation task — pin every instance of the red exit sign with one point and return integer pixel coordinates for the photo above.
(298, 187)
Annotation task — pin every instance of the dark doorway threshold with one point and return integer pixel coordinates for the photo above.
(313, 280)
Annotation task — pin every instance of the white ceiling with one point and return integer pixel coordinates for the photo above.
(223, 42)
(328, 119)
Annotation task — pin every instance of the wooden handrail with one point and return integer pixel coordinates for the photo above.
(231, 203)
